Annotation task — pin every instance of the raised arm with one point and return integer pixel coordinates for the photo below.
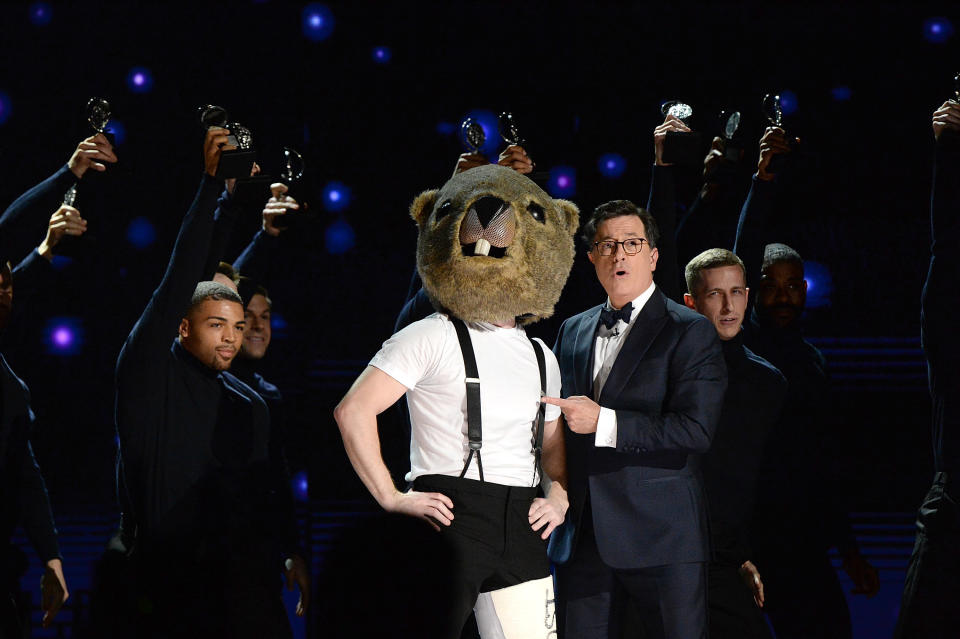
(26, 217)
(150, 338)
(662, 203)
(756, 215)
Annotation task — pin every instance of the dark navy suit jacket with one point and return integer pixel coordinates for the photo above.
(667, 387)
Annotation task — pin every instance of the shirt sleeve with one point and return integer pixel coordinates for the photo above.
(411, 354)
(606, 435)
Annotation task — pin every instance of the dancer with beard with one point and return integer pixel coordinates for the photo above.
(799, 513)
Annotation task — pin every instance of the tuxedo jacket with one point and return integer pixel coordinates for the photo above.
(667, 387)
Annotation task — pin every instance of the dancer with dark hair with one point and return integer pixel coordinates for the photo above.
(196, 455)
(799, 513)
(643, 381)
(929, 608)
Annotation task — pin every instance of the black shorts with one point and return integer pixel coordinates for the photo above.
(494, 545)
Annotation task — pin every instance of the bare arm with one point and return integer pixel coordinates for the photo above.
(356, 414)
(549, 512)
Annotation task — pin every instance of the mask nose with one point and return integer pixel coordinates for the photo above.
(487, 208)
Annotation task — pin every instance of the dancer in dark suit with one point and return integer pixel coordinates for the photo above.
(929, 608)
(644, 380)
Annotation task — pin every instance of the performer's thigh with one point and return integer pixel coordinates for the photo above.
(587, 586)
(732, 611)
(671, 599)
(523, 611)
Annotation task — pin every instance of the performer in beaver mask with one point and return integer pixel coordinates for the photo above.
(494, 251)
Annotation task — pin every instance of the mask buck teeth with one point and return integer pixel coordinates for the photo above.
(482, 247)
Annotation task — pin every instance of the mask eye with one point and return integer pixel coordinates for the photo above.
(537, 212)
(444, 210)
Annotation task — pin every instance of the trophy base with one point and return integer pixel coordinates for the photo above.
(236, 163)
(682, 148)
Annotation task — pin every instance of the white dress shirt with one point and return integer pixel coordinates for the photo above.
(605, 351)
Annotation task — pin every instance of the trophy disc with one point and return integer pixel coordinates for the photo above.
(508, 129)
(729, 123)
(472, 135)
(98, 113)
(956, 88)
(212, 115)
(771, 109)
(677, 109)
(292, 165)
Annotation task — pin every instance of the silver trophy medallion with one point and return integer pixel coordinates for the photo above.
(956, 88)
(509, 130)
(772, 110)
(677, 109)
(293, 165)
(472, 135)
(729, 123)
(98, 113)
(212, 115)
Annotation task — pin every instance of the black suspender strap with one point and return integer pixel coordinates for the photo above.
(541, 413)
(474, 425)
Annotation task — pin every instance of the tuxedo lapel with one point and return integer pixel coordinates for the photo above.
(583, 351)
(648, 324)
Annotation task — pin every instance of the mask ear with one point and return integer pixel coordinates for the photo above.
(569, 215)
(422, 205)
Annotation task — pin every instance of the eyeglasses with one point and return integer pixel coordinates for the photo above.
(630, 247)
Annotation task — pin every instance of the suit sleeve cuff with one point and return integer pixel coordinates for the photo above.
(606, 428)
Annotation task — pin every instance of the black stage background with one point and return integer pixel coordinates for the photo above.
(582, 81)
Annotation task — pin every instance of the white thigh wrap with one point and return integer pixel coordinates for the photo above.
(524, 611)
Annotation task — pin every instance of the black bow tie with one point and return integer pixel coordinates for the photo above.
(609, 316)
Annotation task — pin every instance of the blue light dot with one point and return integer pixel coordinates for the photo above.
(562, 182)
(317, 22)
(841, 93)
(788, 102)
(611, 165)
(41, 14)
(446, 128)
(60, 262)
(117, 130)
(336, 196)
(819, 284)
(382, 55)
(141, 233)
(6, 107)
(937, 30)
(339, 237)
(301, 486)
(140, 80)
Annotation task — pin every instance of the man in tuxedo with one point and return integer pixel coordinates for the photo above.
(643, 379)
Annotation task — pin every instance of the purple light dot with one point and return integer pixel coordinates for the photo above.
(316, 21)
(611, 164)
(62, 337)
(138, 79)
(936, 27)
(334, 196)
(563, 181)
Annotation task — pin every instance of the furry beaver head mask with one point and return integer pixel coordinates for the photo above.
(493, 246)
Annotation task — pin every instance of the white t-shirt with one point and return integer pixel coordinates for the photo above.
(426, 358)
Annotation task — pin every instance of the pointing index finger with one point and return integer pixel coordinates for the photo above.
(554, 401)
